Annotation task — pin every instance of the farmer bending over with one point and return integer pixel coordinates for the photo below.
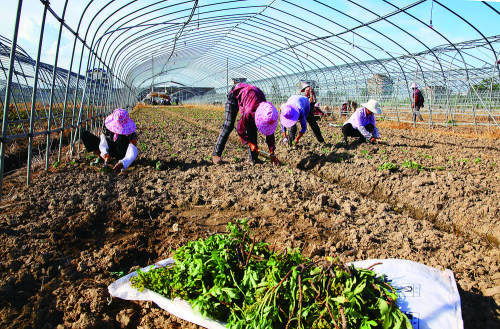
(118, 140)
(362, 123)
(295, 109)
(256, 115)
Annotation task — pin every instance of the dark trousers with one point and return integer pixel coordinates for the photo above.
(230, 114)
(311, 120)
(416, 113)
(115, 149)
(349, 131)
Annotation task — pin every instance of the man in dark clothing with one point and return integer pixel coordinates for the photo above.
(417, 102)
(311, 95)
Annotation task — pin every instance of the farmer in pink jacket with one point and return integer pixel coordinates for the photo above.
(257, 115)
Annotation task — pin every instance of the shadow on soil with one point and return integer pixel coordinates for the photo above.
(171, 164)
(471, 302)
(313, 160)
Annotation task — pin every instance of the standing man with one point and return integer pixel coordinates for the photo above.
(256, 114)
(417, 102)
(311, 96)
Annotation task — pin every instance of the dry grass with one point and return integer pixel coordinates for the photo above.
(466, 132)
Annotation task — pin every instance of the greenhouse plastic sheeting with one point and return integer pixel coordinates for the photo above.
(427, 295)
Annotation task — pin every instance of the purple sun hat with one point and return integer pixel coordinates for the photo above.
(289, 115)
(119, 122)
(266, 118)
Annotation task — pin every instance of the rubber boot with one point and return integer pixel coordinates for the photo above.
(253, 157)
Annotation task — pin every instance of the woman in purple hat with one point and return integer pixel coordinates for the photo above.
(256, 115)
(118, 140)
(296, 109)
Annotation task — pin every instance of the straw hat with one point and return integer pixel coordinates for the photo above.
(414, 85)
(373, 106)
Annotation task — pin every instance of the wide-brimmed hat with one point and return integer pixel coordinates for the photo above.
(414, 85)
(119, 122)
(266, 118)
(304, 87)
(373, 106)
(289, 115)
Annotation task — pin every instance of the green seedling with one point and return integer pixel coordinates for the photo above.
(412, 165)
(464, 160)
(365, 154)
(427, 156)
(440, 168)
(117, 274)
(325, 150)
(72, 162)
(143, 146)
(477, 160)
(388, 166)
(56, 164)
(158, 165)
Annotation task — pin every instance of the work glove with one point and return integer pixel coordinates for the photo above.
(373, 140)
(284, 140)
(106, 158)
(253, 147)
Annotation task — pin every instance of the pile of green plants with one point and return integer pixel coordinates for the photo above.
(234, 279)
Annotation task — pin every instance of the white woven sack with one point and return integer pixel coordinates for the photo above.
(428, 296)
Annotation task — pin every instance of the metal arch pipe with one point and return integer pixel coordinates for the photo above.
(47, 147)
(343, 38)
(132, 43)
(476, 29)
(131, 19)
(6, 102)
(207, 5)
(33, 95)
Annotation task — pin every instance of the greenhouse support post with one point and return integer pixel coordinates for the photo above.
(51, 102)
(6, 102)
(33, 97)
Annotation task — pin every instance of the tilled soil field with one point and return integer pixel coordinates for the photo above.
(78, 228)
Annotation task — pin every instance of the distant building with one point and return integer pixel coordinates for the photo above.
(99, 75)
(380, 84)
(434, 94)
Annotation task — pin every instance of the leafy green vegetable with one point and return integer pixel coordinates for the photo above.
(412, 165)
(388, 166)
(232, 278)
